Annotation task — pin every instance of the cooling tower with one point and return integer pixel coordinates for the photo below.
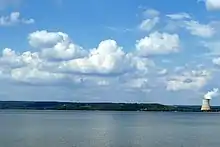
(206, 105)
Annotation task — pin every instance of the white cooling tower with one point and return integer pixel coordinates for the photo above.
(206, 105)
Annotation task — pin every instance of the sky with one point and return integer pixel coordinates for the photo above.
(150, 51)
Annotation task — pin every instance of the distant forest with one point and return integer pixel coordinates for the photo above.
(99, 106)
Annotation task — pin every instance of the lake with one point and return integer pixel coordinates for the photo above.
(108, 129)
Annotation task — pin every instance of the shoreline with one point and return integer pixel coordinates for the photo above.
(55, 110)
(100, 106)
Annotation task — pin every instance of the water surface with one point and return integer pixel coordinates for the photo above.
(108, 129)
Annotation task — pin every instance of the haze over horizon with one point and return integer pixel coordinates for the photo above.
(110, 51)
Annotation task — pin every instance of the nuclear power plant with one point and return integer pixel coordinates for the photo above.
(206, 105)
(206, 100)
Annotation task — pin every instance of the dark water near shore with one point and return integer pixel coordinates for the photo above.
(108, 129)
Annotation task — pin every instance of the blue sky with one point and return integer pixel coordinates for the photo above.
(109, 51)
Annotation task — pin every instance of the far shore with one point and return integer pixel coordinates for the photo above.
(151, 107)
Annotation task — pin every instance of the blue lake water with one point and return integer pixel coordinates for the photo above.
(108, 129)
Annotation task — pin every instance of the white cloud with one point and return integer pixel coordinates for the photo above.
(184, 20)
(11, 59)
(33, 75)
(142, 64)
(216, 61)
(13, 19)
(179, 16)
(98, 71)
(148, 24)
(29, 67)
(163, 72)
(103, 83)
(151, 13)
(212, 4)
(158, 43)
(63, 56)
(192, 80)
(108, 58)
(213, 47)
(55, 45)
(25, 67)
(106, 68)
(137, 83)
(150, 21)
(44, 39)
(197, 29)
(63, 51)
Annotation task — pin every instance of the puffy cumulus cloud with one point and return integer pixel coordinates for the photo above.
(108, 67)
(148, 24)
(158, 43)
(64, 51)
(95, 74)
(11, 59)
(212, 4)
(197, 29)
(26, 67)
(30, 68)
(44, 39)
(33, 75)
(179, 16)
(13, 19)
(107, 58)
(193, 80)
(55, 45)
(60, 60)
